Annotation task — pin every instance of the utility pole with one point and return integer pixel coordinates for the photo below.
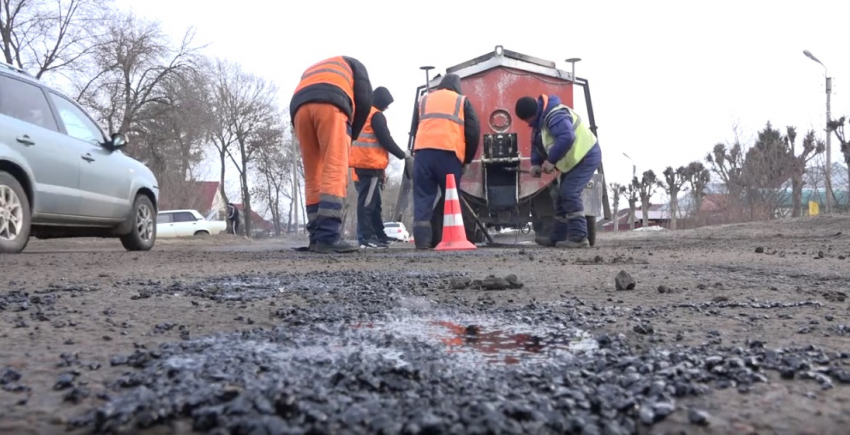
(828, 174)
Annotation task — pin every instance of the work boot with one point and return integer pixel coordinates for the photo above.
(312, 247)
(339, 246)
(572, 244)
(374, 245)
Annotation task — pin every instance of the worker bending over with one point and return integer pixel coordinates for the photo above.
(369, 158)
(562, 141)
(329, 109)
(446, 130)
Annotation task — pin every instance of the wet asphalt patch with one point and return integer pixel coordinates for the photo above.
(369, 352)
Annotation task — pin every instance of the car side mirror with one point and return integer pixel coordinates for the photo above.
(118, 141)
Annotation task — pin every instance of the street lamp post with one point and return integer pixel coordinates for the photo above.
(572, 61)
(427, 78)
(828, 133)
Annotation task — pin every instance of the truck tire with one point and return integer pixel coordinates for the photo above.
(473, 233)
(591, 229)
(142, 236)
(14, 205)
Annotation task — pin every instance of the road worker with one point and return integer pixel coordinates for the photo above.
(562, 141)
(446, 130)
(369, 158)
(233, 217)
(329, 109)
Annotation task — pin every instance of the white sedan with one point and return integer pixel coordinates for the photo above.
(396, 230)
(186, 223)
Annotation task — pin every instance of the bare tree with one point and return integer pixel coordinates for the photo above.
(672, 184)
(698, 177)
(247, 119)
(44, 36)
(171, 135)
(632, 191)
(220, 135)
(132, 61)
(646, 188)
(768, 167)
(297, 174)
(837, 127)
(273, 170)
(617, 190)
(811, 147)
(728, 164)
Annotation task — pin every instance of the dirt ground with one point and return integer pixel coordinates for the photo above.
(700, 286)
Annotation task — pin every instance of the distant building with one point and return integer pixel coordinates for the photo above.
(203, 196)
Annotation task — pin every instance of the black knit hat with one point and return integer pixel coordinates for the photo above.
(381, 98)
(526, 108)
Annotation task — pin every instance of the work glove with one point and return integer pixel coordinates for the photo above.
(548, 168)
(536, 171)
(407, 154)
(408, 166)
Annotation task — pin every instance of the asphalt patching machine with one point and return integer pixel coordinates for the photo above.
(497, 190)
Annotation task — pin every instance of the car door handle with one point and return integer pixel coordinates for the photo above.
(25, 139)
(87, 157)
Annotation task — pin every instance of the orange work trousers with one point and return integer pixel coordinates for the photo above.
(323, 133)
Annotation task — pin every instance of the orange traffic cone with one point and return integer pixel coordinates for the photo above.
(454, 234)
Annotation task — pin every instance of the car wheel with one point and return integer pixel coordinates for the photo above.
(201, 234)
(143, 234)
(14, 215)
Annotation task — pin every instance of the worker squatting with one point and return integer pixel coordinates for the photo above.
(339, 122)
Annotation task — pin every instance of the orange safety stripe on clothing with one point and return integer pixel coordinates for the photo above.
(334, 71)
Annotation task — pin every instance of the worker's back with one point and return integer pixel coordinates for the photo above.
(441, 120)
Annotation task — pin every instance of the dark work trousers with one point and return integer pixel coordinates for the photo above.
(570, 222)
(235, 224)
(430, 168)
(370, 227)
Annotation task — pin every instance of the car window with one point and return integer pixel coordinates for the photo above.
(25, 102)
(184, 216)
(390, 225)
(78, 125)
(164, 218)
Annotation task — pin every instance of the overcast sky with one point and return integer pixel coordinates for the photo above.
(669, 79)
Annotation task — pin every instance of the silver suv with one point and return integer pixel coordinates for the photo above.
(60, 176)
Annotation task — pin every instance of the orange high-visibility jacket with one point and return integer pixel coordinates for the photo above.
(334, 71)
(366, 151)
(441, 123)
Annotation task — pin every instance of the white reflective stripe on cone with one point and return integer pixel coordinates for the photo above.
(453, 220)
(451, 195)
